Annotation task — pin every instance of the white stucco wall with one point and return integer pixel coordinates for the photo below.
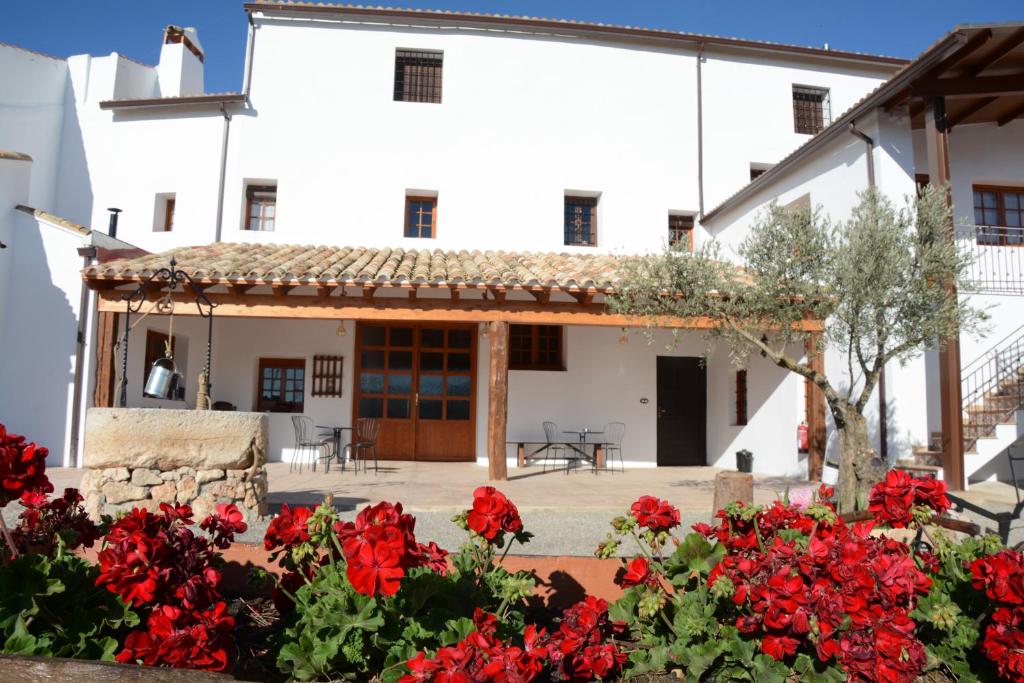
(605, 381)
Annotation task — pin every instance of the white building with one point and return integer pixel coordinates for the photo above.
(475, 138)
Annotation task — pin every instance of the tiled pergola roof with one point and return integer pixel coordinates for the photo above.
(249, 263)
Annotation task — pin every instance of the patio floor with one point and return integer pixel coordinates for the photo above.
(449, 486)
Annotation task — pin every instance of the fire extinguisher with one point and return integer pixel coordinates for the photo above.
(802, 438)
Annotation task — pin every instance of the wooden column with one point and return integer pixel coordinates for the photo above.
(937, 139)
(497, 400)
(106, 357)
(816, 440)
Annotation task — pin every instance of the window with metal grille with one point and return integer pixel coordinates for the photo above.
(680, 232)
(741, 397)
(418, 76)
(420, 216)
(580, 221)
(536, 347)
(281, 385)
(999, 215)
(812, 110)
(260, 207)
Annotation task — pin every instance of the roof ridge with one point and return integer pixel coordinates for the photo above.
(261, 5)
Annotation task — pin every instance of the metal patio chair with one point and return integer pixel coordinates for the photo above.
(364, 443)
(553, 448)
(613, 433)
(308, 446)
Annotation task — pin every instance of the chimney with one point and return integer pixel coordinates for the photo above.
(112, 229)
(180, 71)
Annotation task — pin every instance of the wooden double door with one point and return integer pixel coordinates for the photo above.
(419, 380)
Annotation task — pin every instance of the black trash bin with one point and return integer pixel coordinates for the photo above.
(744, 461)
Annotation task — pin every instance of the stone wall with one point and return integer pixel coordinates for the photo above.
(141, 457)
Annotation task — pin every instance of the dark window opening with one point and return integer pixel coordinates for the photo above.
(260, 207)
(741, 397)
(811, 109)
(581, 221)
(418, 76)
(680, 232)
(281, 385)
(999, 215)
(420, 216)
(536, 347)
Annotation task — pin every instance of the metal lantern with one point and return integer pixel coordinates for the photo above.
(163, 379)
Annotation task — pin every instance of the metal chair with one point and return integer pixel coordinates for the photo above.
(552, 445)
(364, 440)
(613, 433)
(307, 445)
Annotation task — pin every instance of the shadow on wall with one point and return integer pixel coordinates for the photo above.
(74, 196)
(39, 337)
(899, 444)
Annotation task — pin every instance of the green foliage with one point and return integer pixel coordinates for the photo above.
(52, 607)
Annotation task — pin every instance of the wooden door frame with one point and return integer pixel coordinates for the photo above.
(416, 348)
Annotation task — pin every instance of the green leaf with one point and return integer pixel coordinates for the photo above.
(21, 642)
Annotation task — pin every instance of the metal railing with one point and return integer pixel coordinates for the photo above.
(992, 384)
(998, 265)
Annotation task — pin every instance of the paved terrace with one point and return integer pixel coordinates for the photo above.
(568, 514)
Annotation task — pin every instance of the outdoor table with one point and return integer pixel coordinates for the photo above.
(336, 440)
(597, 456)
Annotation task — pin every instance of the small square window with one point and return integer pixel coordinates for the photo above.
(812, 110)
(260, 207)
(536, 347)
(281, 385)
(580, 221)
(418, 76)
(421, 217)
(680, 231)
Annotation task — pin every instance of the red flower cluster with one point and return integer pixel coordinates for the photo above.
(655, 514)
(493, 514)
(44, 521)
(155, 561)
(894, 499)
(380, 546)
(481, 656)
(288, 529)
(577, 651)
(846, 596)
(1001, 576)
(22, 467)
(194, 639)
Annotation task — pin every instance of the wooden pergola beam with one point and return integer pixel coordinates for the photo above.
(970, 110)
(325, 291)
(301, 307)
(1011, 115)
(239, 289)
(281, 290)
(970, 86)
(497, 400)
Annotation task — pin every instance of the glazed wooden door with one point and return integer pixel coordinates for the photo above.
(445, 424)
(418, 380)
(682, 411)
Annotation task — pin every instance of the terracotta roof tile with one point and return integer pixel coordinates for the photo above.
(260, 263)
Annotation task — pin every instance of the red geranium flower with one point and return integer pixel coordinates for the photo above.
(288, 529)
(636, 573)
(655, 514)
(183, 639)
(223, 526)
(375, 562)
(493, 514)
(22, 467)
(893, 499)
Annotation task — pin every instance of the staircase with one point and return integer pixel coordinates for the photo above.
(993, 393)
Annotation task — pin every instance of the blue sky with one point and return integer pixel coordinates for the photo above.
(134, 27)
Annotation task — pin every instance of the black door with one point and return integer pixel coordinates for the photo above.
(682, 411)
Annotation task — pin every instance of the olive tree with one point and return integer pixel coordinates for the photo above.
(874, 287)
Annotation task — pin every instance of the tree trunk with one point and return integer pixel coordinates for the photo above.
(859, 465)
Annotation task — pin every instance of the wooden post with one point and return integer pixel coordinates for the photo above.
(520, 454)
(497, 401)
(951, 400)
(816, 441)
(106, 340)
